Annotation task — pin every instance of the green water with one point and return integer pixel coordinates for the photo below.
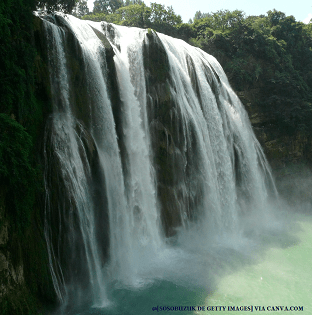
(282, 277)
(272, 268)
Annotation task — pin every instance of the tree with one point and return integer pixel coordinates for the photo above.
(135, 15)
(157, 17)
(131, 2)
(81, 8)
(275, 17)
(199, 15)
(106, 6)
(162, 15)
(56, 5)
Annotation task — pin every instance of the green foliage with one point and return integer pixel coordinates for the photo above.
(16, 56)
(274, 17)
(56, 5)
(199, 15)
(135, 15)
(157, 16)
(220, 20)
(184, 31)
(81, 8)
(20, 111)
(130, 2)
(106, 6)
(269, 53)
(23, 103)
(162, 15)
(16, 171)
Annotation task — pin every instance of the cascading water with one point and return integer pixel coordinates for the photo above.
(147, 148)
(75, 169)
(232, 159)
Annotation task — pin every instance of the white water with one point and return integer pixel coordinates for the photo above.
(67, 147)
(138, 250)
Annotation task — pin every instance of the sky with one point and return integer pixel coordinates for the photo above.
(300, 9)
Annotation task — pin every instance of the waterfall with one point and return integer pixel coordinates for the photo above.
(69, 149)
(147, 142)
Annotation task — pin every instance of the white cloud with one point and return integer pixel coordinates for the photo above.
(307, 19)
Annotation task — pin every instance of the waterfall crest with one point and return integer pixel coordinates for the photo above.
(147, 141)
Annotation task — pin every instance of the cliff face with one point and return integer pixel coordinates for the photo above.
(26, 283)
(11, 272)
(25, 277)
(289, 154)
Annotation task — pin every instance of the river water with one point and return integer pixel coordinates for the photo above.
(264, 271)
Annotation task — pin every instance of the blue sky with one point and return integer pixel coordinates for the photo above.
(300, 9)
